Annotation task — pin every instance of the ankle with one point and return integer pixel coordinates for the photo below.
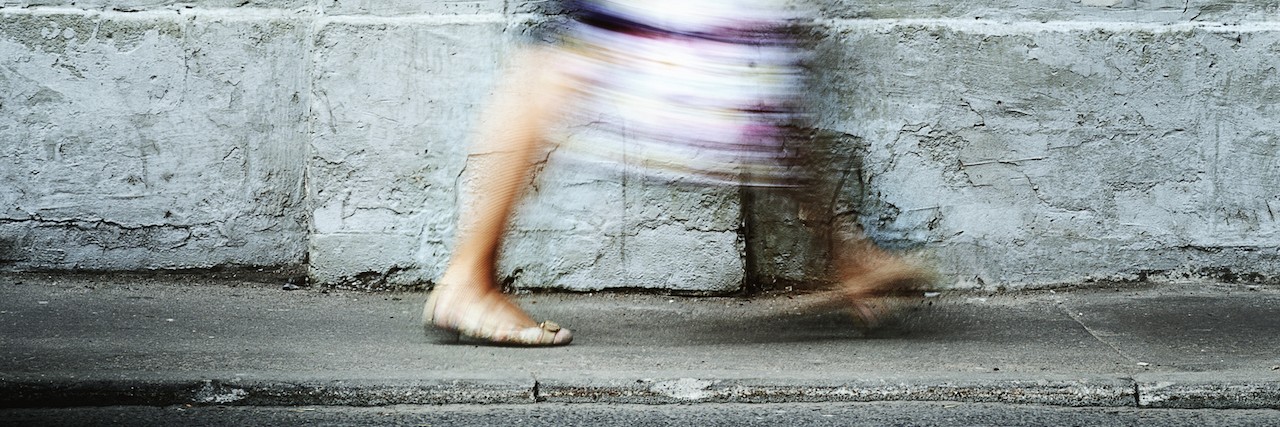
(466, 283)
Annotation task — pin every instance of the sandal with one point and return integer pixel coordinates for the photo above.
(472, 322)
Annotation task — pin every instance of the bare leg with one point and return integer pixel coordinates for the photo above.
(468, 298)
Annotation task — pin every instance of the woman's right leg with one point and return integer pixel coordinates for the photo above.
(467, 297)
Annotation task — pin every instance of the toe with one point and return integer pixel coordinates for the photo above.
(562, 337)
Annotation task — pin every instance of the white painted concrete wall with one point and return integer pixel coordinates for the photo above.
(152, 139)
(1012, 143)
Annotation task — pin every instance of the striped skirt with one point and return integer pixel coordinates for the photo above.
(709, 90)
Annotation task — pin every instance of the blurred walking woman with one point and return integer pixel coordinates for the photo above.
(710, 90)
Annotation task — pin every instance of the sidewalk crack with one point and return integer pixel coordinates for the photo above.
(1072, 314)
(1137, 388)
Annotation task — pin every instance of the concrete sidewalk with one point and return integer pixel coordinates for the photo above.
(177, 339)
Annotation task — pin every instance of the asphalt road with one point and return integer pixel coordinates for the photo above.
(802, 414)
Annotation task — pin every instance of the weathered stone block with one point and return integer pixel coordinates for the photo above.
(392, 104)
(1042, 153)
(151, 142)
(140, 5)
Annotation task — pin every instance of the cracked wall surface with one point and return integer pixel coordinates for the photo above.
(1009, 143)
(150, 140)
(1057, 152)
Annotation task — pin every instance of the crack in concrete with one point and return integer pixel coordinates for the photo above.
(94, 223)
(1075, 317)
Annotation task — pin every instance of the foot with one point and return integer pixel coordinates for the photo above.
(868, 288)
(486, 314)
